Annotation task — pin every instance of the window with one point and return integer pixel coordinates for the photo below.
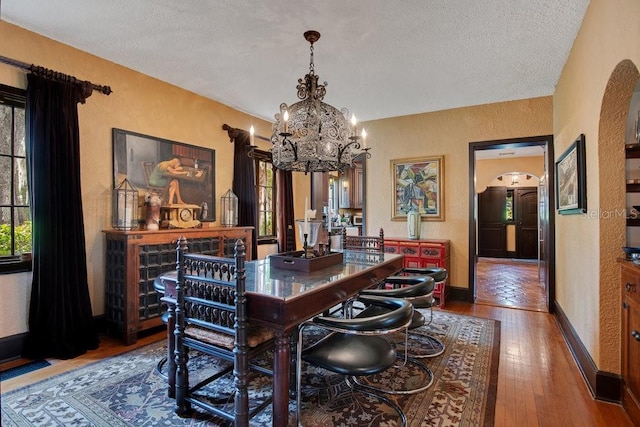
(15, 215)
(266, 196)
(509, 206)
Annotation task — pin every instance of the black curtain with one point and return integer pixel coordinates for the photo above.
(60, 318)
(244, 179)
(284, 187)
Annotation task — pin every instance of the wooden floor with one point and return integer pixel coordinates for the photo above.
(538, 383)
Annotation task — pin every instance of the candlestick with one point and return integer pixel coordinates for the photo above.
(306, 221)
(364, 138)
(251, 132)
(304, 244)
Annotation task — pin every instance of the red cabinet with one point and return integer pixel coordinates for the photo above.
(423, 253)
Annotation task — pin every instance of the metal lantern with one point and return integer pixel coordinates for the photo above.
(125, 206)
(229, 209)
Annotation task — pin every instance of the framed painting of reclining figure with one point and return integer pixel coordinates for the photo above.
(179, 174)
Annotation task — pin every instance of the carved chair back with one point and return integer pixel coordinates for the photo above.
(370, 244)
(211, 317)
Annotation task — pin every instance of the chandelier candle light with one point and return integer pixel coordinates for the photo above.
(312, 136)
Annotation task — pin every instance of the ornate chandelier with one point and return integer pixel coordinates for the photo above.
(312, 136)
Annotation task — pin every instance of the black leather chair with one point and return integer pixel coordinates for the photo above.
(355, 346)
(362, 250)
(417, 290)
(439, 275)
(211, 317)
(430, 346)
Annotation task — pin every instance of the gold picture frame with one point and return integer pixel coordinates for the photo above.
(135, 156)
(418, 184)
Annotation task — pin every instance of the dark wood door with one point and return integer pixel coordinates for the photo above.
(543, 223)
(492, 231)
(526, 215)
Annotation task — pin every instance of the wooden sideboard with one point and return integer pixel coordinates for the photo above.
(630, 289)
(423, 253)
(135, 258)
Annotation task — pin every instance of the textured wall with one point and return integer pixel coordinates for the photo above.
(138, 103)
(592, 97)
(445, 133)
(487, 170)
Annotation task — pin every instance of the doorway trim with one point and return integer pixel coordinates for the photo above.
(548, 214)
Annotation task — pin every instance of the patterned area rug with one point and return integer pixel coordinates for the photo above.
(127, 391)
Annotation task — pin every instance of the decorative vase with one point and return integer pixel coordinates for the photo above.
(153, 212)
(413, 225)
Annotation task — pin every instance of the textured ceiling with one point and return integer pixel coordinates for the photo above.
(380, 58)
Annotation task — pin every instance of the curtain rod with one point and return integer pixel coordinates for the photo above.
(234, 132)
(57, 76)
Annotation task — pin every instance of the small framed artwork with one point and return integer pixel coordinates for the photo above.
(417, 185)
(571, 179)
(180, 174)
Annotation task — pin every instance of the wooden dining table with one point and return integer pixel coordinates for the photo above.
(281, 299)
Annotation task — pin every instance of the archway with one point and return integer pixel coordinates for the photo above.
(612, 224)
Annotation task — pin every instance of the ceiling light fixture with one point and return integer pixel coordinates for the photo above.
(312, 136)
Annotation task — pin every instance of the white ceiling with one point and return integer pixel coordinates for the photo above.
(381, 58)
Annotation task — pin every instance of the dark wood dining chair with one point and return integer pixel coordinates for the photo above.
(211, 317)
(369, 244)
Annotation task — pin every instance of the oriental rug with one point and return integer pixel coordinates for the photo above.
(126, 390)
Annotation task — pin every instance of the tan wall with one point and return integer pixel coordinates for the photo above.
(138, 103)
(587, 287)
(488, 170)
(586, 280)
(445, 133)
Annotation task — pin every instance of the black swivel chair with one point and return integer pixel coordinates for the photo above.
(430, 346)
(417, 290)
(355, 346)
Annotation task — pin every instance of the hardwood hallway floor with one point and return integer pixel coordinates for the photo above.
(538, 382)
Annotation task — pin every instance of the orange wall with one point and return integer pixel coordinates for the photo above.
(138, 103)
(488, 170)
